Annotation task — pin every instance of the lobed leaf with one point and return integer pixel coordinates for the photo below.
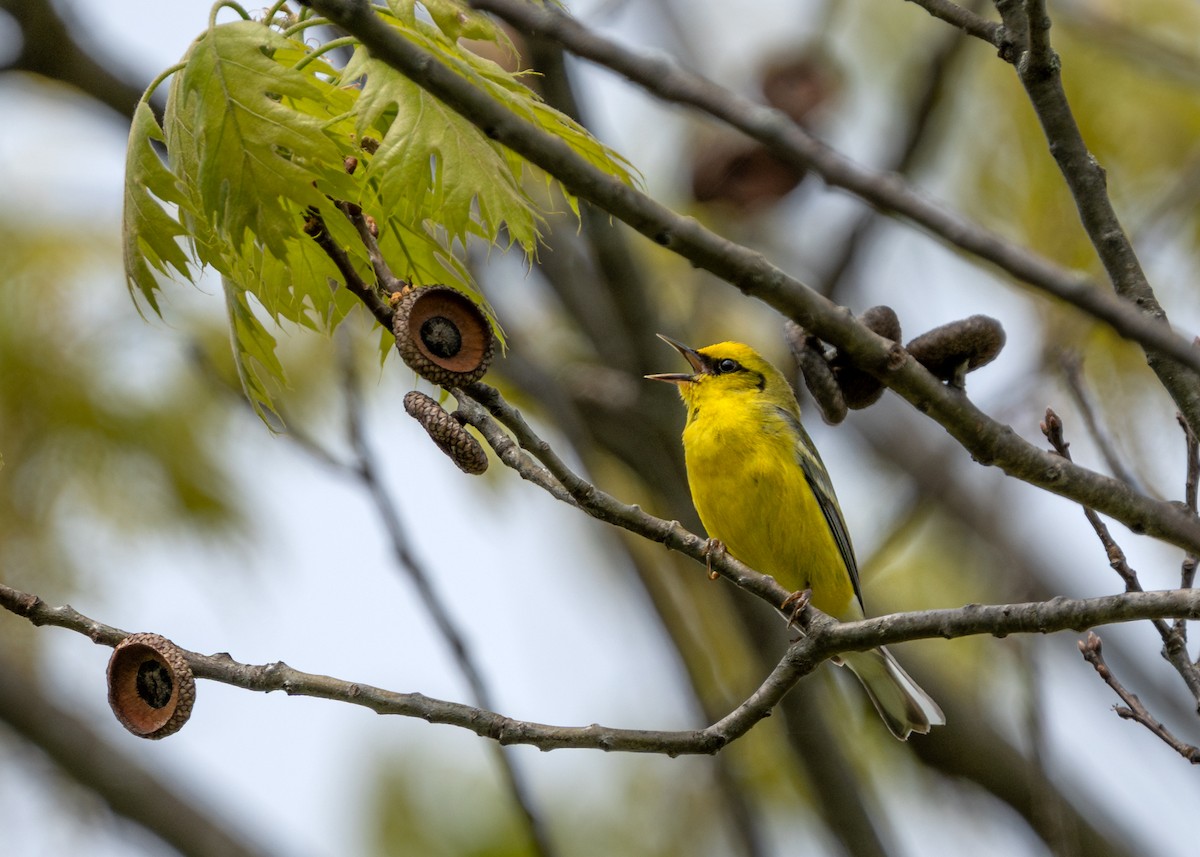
(432, 164)
(247, 134)
(257, 131)
(150, 232)
(258, 366)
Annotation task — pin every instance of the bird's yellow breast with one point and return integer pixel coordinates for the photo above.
(751, 494)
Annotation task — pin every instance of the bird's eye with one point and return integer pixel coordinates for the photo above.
(727, 365)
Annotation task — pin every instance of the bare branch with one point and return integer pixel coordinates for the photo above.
(1174, 643)
(966, 20)
(1191, 483)
(825, 639)
(315, 228)
(279, 676)
(387, 281)
(1133, 709)
(1052, 428)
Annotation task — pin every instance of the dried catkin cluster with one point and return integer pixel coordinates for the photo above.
(447, 432)
(949, 352)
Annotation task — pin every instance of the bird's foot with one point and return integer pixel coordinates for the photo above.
(794, 605)
(713, 547)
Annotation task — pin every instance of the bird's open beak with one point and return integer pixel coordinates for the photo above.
(690, 354)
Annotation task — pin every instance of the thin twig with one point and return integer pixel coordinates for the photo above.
(388, 281)
(1174, 644)
(956, 494)
(508, 450)
(1072, 366)
(965, 19)
(316, 229)
(1133, 708)
(1052, 428)
(1187, 572)
(1192, 480)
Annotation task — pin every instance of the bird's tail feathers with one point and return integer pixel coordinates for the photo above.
(900, 701)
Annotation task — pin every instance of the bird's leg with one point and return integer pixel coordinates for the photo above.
(713, 547)
(795, 603)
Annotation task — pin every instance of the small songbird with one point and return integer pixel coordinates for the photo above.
(762, 492)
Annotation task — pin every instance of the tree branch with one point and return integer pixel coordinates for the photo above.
(988, 441)
(1174, 635)
(315, 228)
(1191, 489)
(825, 639)
(965, 19)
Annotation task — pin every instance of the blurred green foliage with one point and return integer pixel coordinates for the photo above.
(94, 427)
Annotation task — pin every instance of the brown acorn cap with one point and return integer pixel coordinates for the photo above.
(450, 436)
(443, 335)
(150, 686)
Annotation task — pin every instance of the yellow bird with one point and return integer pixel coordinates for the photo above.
(761, 490)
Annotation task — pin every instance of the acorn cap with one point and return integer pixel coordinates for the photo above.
(447, 432)
(150, 686)
(443, 335)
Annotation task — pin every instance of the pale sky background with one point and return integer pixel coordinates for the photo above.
(320, 591)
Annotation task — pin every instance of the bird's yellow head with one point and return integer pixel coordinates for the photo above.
(727, 372)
